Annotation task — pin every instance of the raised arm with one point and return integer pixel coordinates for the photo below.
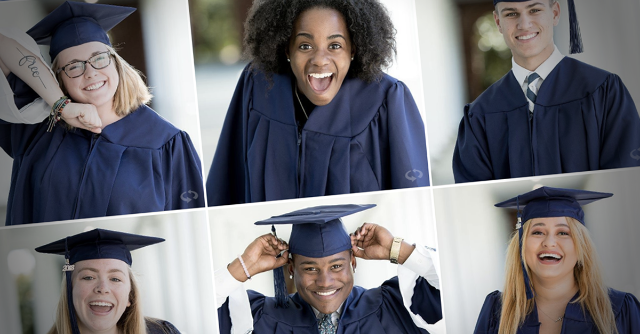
(19, 60)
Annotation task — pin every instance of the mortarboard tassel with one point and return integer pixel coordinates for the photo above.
(280, 287)
(527, 284)
(68, 269)
(575, 40)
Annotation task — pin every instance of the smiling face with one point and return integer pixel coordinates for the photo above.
(549, 249)
(320, 51)
(97, 87)
(100, 294)
(324, 283)
(527, 28)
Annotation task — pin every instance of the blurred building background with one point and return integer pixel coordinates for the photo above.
(175, 276)
(156, 39)
(217, 43)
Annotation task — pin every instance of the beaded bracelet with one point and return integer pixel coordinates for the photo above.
(246, 272)
(56, 112)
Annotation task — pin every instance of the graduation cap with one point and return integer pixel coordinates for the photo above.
(575, 40)
(316, 232)
(91, 245)
(549, 202)
(76, 23)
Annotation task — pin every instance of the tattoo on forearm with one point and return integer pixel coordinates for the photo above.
(30, 61)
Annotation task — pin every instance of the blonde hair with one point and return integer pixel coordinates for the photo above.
(132, 320)
(593, 295)
(132, 92)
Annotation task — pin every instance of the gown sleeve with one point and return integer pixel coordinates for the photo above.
(418, 284)
(18, 102)
(183, 168)
(407, 140)
(628, 321)
(620, 146)
(489, 318)
(471, 161)
(226, 179)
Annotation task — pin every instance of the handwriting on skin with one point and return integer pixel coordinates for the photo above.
(30, 61)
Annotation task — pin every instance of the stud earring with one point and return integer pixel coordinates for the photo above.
(352, 58)
(290, 276)
(289, 60)
(354, 270)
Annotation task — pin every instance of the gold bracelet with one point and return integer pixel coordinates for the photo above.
(395, 250)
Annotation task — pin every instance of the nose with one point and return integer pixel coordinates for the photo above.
(324, 279)
(89, 71)
(549, 240)
(102, 286)
(524, 21)
(320, 57)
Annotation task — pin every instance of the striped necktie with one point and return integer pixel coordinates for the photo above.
(531, 95)
(325, 326)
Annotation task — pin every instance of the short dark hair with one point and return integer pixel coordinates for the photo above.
(270, 23)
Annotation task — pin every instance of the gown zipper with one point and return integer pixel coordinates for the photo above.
(533, 162)
(94, 139)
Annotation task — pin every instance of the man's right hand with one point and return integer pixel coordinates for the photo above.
(260, 256)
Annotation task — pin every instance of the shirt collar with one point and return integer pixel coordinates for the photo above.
(543, 70)
(334, 316)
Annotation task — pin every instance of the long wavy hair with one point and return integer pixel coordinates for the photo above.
(593, 296)
(132, 91)
(131, 322)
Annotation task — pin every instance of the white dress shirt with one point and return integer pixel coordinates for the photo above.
(543, 71)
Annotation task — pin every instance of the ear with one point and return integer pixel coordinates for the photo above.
(353, 50)
(290, 266)
(555, 8)
(496, 19)
(353, 261)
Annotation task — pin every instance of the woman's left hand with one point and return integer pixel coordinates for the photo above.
(84, 116)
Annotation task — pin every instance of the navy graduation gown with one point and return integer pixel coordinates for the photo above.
(626, 310)
(141, 163)
(370, 137)
(375, 311)
(584, 119)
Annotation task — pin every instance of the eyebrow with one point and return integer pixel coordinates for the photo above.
(93, 54)
(515, 10)
(309, 36)
(543, 224)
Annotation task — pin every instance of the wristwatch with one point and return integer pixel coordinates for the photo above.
(395, 250)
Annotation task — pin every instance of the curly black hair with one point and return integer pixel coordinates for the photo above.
(270, 24)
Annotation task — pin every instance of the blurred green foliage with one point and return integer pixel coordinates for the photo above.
(25, 297)
(492, 59)
(214, 26)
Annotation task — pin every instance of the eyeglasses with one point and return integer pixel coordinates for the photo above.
(77, 68)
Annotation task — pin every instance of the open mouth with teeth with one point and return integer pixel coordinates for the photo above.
(326, 294)
(549, 258)
(100, 307)
(527, 37)
(319, 82)
(95, 86)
